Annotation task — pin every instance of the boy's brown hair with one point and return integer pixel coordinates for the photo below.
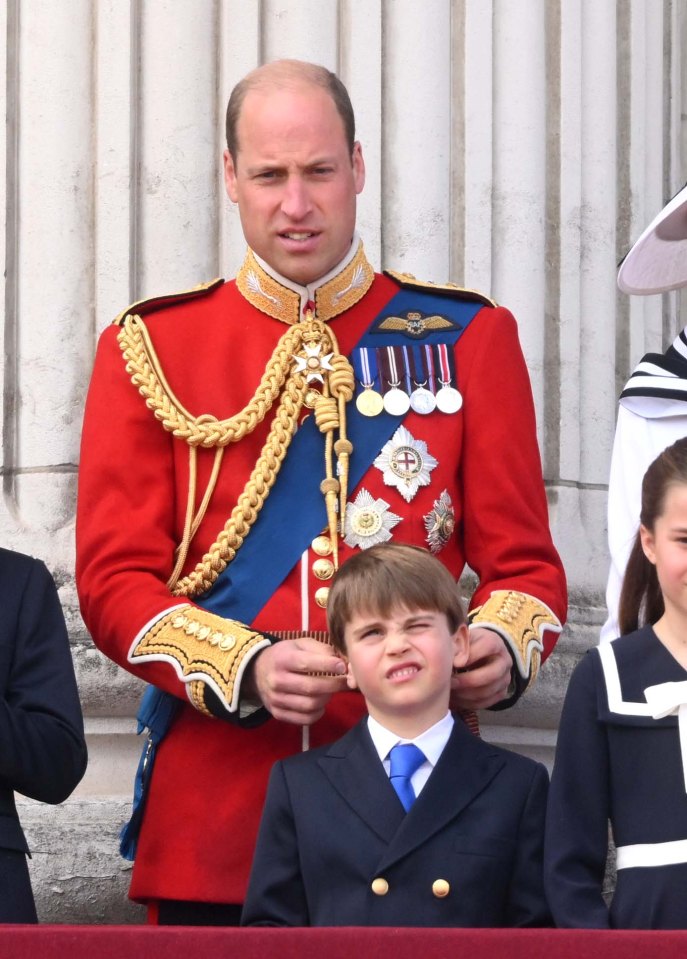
(387, 577)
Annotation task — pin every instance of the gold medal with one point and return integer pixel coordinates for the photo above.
(369, 402)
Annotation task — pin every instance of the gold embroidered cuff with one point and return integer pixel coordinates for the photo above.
(521, 621)
(204, 649)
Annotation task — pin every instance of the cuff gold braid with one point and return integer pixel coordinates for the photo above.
(521, 621)
(205, 650)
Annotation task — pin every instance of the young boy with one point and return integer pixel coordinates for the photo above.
(343, 844)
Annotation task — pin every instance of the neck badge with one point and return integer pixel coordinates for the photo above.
(369, 521)
(405, 463)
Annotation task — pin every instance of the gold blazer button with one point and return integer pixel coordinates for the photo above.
(323, 568)
(379, 886)
(440, 888)
(322, 545)
(321, 596)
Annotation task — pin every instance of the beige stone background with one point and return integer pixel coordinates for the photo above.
(515, 146)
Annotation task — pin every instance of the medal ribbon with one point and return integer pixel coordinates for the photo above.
(429, 365)
(406, 370)
(446, 364)
(365, 366)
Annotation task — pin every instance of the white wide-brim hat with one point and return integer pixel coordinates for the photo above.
(657, 262)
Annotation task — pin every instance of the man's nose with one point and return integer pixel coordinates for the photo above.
(296, 198)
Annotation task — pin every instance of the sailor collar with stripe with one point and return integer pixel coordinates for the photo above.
(658, 385)
(286, 301)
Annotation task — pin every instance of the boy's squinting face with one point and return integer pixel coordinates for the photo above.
(402, 664)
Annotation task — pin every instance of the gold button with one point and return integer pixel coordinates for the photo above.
(440, 888)
(379, 886)
(321, 596)
(323, 568)
(322, 545)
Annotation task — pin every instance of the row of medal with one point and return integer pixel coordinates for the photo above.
(396, 379)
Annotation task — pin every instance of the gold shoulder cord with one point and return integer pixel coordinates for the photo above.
(305, 342)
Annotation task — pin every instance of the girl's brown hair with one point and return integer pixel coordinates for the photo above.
(641, 600)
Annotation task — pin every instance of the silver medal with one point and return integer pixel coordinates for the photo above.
(396, 402)
(449, 400)
(423, 401)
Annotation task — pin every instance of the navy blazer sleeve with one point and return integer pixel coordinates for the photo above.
(42, 746)
(576, 842)
(276, 893)
(526, 904)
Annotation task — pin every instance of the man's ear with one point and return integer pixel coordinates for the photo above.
(350, 678)
(461, 642)
(230, 177)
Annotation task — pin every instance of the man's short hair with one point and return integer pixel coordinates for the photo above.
(284, 73)
(388, 577)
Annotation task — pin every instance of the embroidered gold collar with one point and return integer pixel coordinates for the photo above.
(332, 297)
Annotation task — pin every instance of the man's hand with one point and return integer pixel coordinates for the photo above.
(487, 677)
(281, 679)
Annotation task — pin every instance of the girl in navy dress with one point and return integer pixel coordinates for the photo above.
(622, 743)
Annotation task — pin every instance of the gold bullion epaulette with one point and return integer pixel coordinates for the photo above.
(409, 282)
(149, 305)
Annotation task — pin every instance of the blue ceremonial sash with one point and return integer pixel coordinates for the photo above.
(294, 510)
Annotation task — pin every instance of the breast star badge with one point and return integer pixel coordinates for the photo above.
(440, 523)
(405, 463)
(369, 521)
(312, 364)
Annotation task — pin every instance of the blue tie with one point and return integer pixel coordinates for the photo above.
(405, 760)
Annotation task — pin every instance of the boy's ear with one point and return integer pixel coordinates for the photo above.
(461, 641)
(350, 678)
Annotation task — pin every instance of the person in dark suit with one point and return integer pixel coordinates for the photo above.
(351, 837)
(42, 746)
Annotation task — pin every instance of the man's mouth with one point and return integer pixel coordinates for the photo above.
(297, 235)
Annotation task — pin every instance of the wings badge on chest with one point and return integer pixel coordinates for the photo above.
(415, 324)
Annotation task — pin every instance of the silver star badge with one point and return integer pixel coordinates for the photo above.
(405, 463)
(440, 523)
(312, 364)
(369, 521)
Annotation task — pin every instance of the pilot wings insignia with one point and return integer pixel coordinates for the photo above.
(415, 325)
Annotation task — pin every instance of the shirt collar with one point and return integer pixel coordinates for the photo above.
(432, 741)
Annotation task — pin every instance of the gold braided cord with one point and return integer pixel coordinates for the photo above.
(279, 379)
(256, 491)
(182, 550)
(206, 430)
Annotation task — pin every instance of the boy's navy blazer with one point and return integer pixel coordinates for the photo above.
(336, 848)
(42, 747)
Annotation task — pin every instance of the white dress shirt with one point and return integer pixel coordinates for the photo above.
(432, 742)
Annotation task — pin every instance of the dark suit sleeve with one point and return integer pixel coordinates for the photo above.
(526, 897)
(276, 894)
(577, 819)
(42, 747)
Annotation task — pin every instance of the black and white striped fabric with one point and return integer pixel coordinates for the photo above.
(661, 375)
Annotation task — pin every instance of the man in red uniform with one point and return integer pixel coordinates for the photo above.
(240, 439)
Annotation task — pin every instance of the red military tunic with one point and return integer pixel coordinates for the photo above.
(210, 350)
